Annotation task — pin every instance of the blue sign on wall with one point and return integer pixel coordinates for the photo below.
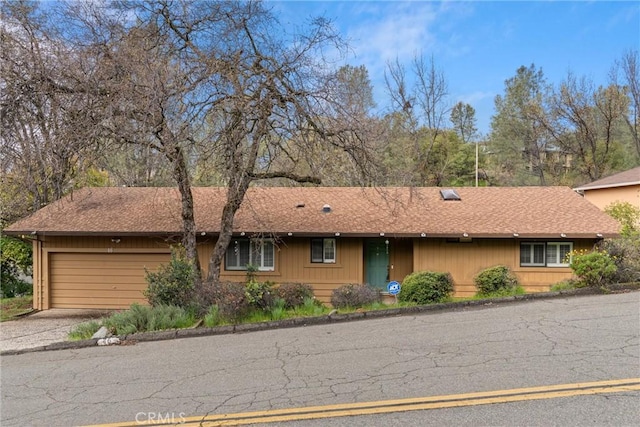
(393, 288)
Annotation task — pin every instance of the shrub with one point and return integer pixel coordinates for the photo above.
(426, 287)
(294, 294)
(172, 284)
(625, 253)
(259, 294)
(495, 280)
(203, 297)
(169, 317)
(11, 285)
(141, 318)
(354, 296)
(595, 268)
(15, 259)
(628, 216)
(230, 297)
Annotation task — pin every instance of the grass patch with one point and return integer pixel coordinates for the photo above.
(310, 308)
(144, 318)
(213, 317)
(139, 318)
(518, 290)
(567, 285)
(500, 293)
(10, 308)
(84, 331)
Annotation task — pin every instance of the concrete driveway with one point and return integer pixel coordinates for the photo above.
(43, 327)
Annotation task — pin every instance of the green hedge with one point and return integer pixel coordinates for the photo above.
(426, 287)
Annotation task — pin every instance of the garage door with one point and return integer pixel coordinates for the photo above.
(99, 280)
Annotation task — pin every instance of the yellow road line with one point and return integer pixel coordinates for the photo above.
(402, 405)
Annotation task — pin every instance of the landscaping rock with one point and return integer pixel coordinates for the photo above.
(109, 341)
(103, 332)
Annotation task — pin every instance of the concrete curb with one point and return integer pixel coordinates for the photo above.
(334, 318)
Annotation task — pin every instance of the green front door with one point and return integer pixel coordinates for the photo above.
(376, 262)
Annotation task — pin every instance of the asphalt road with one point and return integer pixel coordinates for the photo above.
(531, 345)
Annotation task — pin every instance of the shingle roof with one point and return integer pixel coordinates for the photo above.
(481, 212)
(622, 179)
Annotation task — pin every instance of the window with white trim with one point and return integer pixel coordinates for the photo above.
(557, 254)
(244, 252)
(545, 254)
(323, 251)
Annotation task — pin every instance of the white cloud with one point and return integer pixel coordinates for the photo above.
(386, 31)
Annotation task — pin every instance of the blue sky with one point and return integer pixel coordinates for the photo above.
(479, 44)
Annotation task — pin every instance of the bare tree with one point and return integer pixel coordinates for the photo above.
(44, 140)
(422, 107)
(352, 102)
(629, 81)
(142, 87)
(223, 78)
(585, 121)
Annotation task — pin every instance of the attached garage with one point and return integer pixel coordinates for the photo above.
(100, 280)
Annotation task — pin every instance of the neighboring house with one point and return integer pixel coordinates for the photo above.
(621, 187)
(553, 157)
(92, 247)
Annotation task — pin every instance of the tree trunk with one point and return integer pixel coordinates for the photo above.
(235, 194)
(181, 176)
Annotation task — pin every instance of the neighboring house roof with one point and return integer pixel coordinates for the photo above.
(481, 212)
(622, 179)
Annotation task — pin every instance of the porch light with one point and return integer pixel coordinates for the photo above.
(423, 234)
(563, 235)
(381, 234)
(465, 235)
(599, 235)
(289, 234)
(242, 233)
(203, 233)
(515, 234)
(115, 240)
(337, 234)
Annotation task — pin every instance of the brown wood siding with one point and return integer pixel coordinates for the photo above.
(63, 265)
(293, 265)
(100, 280)
(82, 243)
(465, 260)
(401, 259)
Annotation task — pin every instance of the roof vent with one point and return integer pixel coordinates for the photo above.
(300, 205)
(326, 209)
(449, 194)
